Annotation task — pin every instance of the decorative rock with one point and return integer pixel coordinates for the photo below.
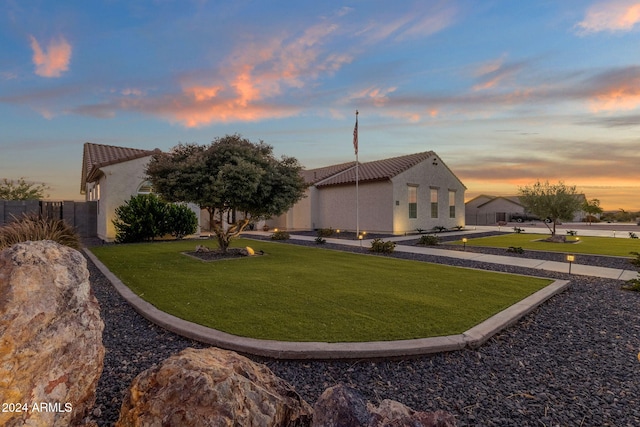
(250, 251)
(202, 248)
(212, 387)
(51, 352)
(345, 407)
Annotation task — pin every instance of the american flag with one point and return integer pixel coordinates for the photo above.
(355, 135)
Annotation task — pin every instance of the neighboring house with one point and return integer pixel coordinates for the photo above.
(486, 210)
(395, 195)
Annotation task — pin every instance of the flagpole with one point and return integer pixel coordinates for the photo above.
(355, 145)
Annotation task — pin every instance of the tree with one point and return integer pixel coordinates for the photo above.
(236, 180)
(591, 208)
(20, 189)
(553, 201)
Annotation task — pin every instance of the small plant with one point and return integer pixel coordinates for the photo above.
(380, 246)
(632, 285)
(515, 249)
(325, 232)
(420, 230)
(635, 261)
(518, 230)
(459, 227)
(429, 240)
(280, 235)
(320, 241)
(439, 228)
(33, 227)
(633, 235)
(572, 233)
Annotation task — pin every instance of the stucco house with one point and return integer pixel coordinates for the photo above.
(487, 210)
(395, 195)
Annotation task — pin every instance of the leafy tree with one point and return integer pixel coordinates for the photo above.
(236, 180)
(554, 201)
(591, 208)
(20, 189)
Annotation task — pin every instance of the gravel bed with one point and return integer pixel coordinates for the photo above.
(572, 362)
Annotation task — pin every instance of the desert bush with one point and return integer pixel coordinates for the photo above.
(439, 228)
(515, 249)
(280, 235)
(325, 232)
(428, 240)
(633, 235)
(34, 227)
(572, 233)
(518, 230)
(180, 221)
(380, 246)
(320, 240)
(632, 285)
(635, 261)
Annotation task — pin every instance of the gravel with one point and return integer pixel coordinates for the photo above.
(572, 362)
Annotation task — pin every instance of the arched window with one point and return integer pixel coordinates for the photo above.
(145, 188)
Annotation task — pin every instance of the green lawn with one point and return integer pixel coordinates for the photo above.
(296, 293)
(586, 245)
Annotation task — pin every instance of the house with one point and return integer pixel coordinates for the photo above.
(486, 210)
(395, 195)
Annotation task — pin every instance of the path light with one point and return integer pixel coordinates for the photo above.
(464, 242)
(360, 238)
(338, 233)
(614, 233)
(570, 259)
(275, 229)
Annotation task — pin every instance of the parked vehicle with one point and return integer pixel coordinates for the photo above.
(522, 217)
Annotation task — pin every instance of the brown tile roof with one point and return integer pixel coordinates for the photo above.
(378, 170)
(96, 156)
(312, 176)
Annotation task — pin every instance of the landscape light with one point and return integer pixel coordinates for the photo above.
(360, 238)
(464, 242)
(570, 259)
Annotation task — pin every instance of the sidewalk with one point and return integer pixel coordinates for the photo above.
(560, 267)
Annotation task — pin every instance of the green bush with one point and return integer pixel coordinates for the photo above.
(180, 221)
(280, 235)
(325, 232)
(635, 261)
(429, 240)
(380, 246)
(320, 240)
(632, 285)
(33, 227)
(518, 230)
(515, 249)
(141, 218)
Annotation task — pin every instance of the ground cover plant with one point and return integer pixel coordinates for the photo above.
(296, 293)
(587, 245)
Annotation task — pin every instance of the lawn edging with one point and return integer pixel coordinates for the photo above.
(472, 338)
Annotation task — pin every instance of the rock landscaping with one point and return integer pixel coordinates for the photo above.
(573, 361)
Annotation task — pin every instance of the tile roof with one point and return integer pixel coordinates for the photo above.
(96, 156)
(378, 170)
(312, 176)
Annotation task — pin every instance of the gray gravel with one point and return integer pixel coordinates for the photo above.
(572, 362)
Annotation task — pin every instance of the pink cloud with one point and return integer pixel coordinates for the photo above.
(620, 15)
(54, 61)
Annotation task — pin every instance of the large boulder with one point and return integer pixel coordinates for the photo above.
(212, 387)
(51, 352)
(341, 406)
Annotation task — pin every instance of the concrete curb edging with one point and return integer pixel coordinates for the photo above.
(472, 338)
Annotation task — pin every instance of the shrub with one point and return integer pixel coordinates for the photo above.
(459, 227)
(180, 221)
(633, 235)
(515, 249)
(320, 240)
(380, 246)
(635, 261)
(572, 233)
(439, 228)
(280, 235)
(420, 230)
(33, 227)
(325, 232)
(518, 230)
(632, 285)
(141, 218)
(428, 240)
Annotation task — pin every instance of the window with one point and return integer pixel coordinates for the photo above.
(413, 201)
(145, 188)
(434, 203)
(452, 204)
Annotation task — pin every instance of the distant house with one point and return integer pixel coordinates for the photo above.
(395, 195)
(487, 210)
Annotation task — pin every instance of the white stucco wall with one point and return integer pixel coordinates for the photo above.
(336, 207)
(426, 176)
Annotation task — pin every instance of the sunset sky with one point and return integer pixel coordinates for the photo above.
(506, 92)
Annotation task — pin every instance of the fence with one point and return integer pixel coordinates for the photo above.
(81, 215)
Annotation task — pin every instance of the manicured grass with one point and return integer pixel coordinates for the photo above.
(586, 245)
(296, 293)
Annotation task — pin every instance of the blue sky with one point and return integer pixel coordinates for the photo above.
(505, 92)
